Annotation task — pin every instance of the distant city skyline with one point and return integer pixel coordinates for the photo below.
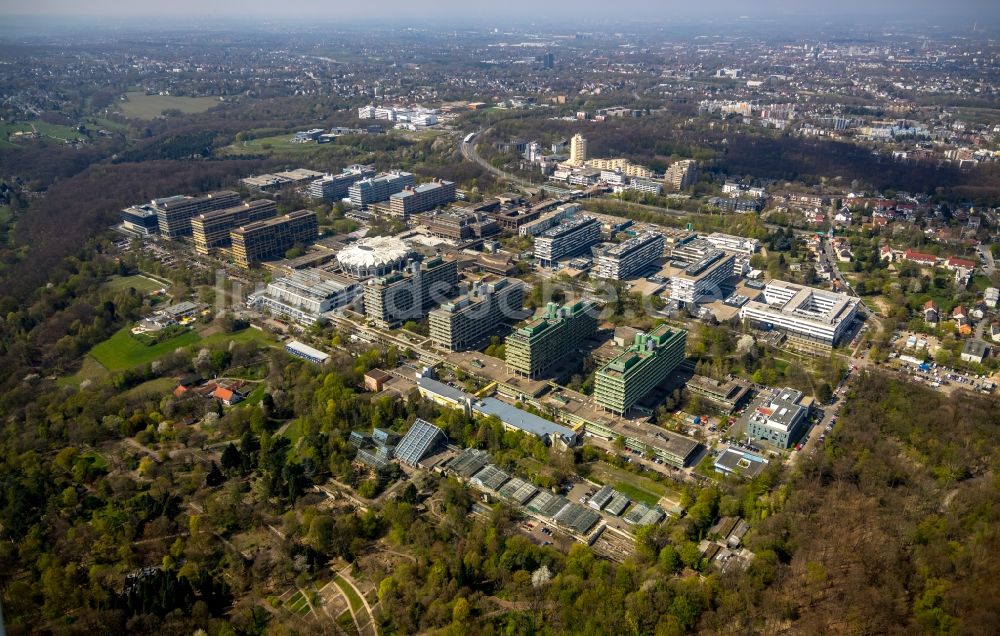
(512, 10)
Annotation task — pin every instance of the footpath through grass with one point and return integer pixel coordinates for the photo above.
(357, 605)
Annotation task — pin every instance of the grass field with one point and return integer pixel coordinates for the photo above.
(158, 386)
(55, 131)
(5, 213)
(141, 283)
(90, 370)
(635, 487)
(142, 106)
(247, 335)
(122, 351)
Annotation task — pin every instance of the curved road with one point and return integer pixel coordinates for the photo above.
(468, 150)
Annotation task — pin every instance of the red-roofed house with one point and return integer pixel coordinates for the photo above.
(226, 396)
(954, 262)
(918, 257)
(960, 316)
(885, 253)
(180, 391)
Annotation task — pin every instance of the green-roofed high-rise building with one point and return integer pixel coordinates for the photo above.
(627, 379)
(538, 345)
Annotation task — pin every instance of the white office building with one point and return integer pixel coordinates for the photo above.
(702, 279)
(304, 295)
(631, 257)
(730, 243)
(567, 239)
(812, 318)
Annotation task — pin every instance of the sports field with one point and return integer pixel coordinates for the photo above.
(142, 106)
(142, 284)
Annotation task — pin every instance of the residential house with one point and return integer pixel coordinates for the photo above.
(920, 258)
(931, 316)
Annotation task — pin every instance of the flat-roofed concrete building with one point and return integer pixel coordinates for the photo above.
(421, 198)
(271, 238)
(211, 229)
(703, 278)
(377, 189)
(459, 225)
(813, 319)
(141, 219)
(174, 214)
(567, 239)
(408, 295)
(304, 295)
(728, 395)
(467, 320)
(553, 337)
(730, 243)
(630, 258)
(628, 378)
(781, 421)
(334, 187)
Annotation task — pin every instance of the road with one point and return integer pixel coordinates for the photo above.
(989, 266)
(468, 150)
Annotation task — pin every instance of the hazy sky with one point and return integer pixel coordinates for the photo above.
(509, 10)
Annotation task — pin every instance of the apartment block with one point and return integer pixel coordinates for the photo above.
(567, 239)
(380, 188)
(392, 300)
(421, 198)
(551, 338)
(627, 379)
(268, 239)
(631, 257)
(469, 319)
(333, 187)
(211, 230)
(174, 214)
(681, 174)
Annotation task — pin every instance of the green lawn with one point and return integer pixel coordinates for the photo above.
(54, 131)
(122, 351)
(91, 370)
(255, 396)
(635, 487)
(707, 467)
(249, 334)
(5, 213)
(294, 431)
(152, 388)
(142, 106)
(357, 605)
(141, 283)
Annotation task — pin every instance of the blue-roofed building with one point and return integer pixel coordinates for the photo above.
(510, 416)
